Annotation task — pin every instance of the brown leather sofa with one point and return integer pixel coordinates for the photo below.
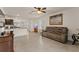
(56, 33)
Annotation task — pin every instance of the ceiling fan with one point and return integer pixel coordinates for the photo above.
(40, 10)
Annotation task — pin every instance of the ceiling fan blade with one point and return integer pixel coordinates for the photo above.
(39, 8)
(43, 11)
(43, 8)
(35, 7)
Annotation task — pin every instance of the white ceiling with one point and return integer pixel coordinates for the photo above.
(26, 12)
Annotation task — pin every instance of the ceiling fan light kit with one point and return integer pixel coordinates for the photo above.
(39, 12)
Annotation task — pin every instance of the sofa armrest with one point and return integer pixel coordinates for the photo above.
(64, 37)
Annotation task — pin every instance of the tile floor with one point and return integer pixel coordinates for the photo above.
(34, 42)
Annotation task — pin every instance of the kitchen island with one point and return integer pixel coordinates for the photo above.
(6, 43)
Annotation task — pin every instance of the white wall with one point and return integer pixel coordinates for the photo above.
(70, 20)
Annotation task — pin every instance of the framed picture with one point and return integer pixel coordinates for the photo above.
(56, 19)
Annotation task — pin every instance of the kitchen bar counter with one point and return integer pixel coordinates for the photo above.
(6, 43)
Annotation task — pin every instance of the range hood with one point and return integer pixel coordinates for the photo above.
(2, 18)
(1, 13)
